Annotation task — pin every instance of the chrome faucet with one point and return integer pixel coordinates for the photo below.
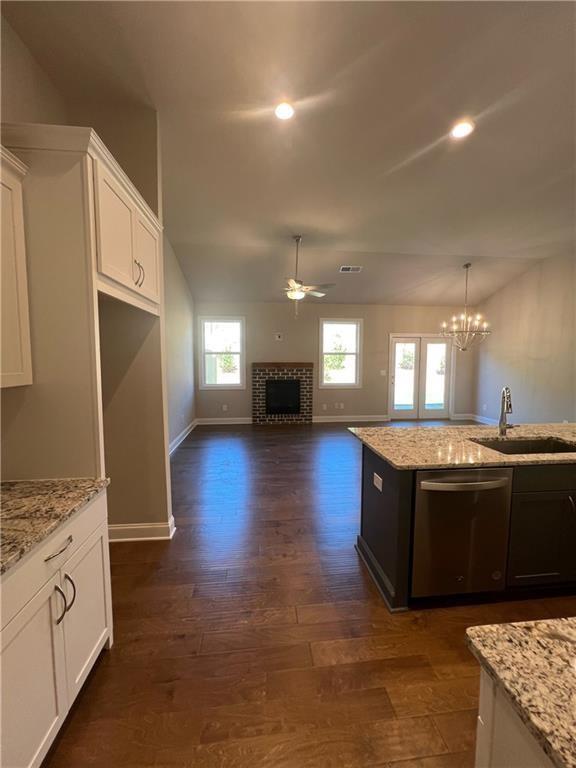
(505, 407)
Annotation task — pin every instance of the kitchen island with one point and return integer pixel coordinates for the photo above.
(527, 713)
(444, 513)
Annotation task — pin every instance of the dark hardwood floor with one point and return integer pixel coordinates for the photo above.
(255, 637)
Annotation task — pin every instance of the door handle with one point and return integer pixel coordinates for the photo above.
(69, 541)
(60, 591)
(71, 580)
(480, 485)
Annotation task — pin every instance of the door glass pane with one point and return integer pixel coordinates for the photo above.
(404, 369)
(435, 393)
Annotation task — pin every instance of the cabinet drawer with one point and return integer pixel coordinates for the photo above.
(21, 583)
(545, 477)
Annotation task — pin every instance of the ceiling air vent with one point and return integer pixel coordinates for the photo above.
(350, 270)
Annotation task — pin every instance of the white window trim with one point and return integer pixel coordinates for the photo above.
(359, 336)
(222, 319)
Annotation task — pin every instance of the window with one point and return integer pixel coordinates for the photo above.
(222, 352)
(340, 349)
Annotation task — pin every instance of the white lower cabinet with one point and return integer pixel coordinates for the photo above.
(502, 739)
(87, 623)
(49, 647)
(34, 695)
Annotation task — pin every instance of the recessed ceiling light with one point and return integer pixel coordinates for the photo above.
(284, 111)
(462, 128)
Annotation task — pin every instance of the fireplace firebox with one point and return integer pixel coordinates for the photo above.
(282, 396)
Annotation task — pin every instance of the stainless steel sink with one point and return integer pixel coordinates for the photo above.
(527, 445)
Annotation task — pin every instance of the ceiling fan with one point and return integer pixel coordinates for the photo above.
(296, 290)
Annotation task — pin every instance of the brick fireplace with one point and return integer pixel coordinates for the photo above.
(282, 393)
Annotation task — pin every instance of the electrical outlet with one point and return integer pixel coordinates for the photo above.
(224, 407)
(383, 372)
(324, 407)
(377, 480)
(484, 407)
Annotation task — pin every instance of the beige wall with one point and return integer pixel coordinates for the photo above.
(130, 131)
(179, 320)
(301, 343)
(28, 94)
(532, 347)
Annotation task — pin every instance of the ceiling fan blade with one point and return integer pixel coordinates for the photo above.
(322, 286)
(315, 293)
(293, 283)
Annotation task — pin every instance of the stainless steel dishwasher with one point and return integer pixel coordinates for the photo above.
(461, 526)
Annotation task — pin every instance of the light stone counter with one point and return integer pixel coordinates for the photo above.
(33, 509)
(535, 663)
(453, 446)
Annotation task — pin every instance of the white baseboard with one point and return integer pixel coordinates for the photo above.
(485, 420)
(141, 531)
(229, 420)
(350, 419)
(181, 437)
(473, 417)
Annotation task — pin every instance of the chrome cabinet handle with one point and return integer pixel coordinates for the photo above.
(482, 485)
(69, 541)
(136, 279)
(143, 274)
(71, 580)
(60, 591)
(572, 503)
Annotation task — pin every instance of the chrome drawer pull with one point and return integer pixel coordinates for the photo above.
(69, 541)
(63, 596)
(71, 580)
(482, 485)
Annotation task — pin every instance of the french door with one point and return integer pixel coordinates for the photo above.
(419, 377)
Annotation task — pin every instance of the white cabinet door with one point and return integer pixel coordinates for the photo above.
(34, 697)
(147, 255)
(16, 365)
(88, 620)
(115, 214)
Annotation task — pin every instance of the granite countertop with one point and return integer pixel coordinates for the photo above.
(535, 663)
(441, 447)
(33, 509)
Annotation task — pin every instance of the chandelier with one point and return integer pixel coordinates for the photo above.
(466, 329)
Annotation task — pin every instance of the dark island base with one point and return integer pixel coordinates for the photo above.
(397, 604)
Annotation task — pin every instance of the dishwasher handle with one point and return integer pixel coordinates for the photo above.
(474, 485)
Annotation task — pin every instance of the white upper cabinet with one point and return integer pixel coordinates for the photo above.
(124, 234)
(16, 360)
(147, 257)
(127, 236)
(114, 227)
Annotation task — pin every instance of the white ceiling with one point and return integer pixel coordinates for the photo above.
(364, 171)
